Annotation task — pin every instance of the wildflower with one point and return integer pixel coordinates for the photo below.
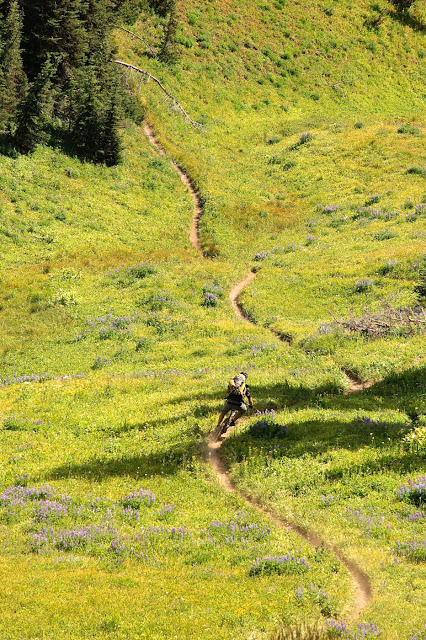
(331, 208)
(286, 564)
(415, 491)
(210, 300)
(261, 255)
(138, 498)
(363, 285)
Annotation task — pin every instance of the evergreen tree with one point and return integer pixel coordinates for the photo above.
(67, 51)
(85, 122)
(54, 27)
(162, 7)
(168, 51)
(12, 77)
(112, 148)
(34, 111)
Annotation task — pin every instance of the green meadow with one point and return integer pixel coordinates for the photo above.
(114, 360)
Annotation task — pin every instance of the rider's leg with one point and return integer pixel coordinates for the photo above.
(221, 417)
(225, 409)
(241, 412)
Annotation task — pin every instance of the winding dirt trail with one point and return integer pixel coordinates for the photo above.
(185, 178)
(355, 384)
(360, 580)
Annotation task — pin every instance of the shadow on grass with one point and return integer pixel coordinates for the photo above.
(315, 438)
(165, 463)
(404, 391)
(6, 148)
(407, 19)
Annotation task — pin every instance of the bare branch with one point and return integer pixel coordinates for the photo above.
(149, 76)
(134, 35)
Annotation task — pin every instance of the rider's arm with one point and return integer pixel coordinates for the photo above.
(249, 398)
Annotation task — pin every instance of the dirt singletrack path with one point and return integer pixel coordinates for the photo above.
(360, 579)
(185, 178)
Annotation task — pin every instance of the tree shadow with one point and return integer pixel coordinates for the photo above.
(164, 463)
(6, 147)
(316, 438)
(404, 391)
(405, 18)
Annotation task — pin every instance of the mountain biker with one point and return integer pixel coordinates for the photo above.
(236, 394)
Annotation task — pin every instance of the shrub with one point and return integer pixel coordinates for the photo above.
(363, 285)
(417, 171)
(261, 255)
(210, 300)
(407, 128)
(288, 165)
(384, 234)
(268, 428)
(13, 424)
(415, 491)
(387, 267)
(141, 271)
(372, 199)
(420, 288)
(305, 137)
(143, 344)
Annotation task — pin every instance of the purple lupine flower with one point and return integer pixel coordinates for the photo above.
(415, 491)
(138, 499)
(366, 630)
(166, 510)
(285, 564)
(363, 285)
(18, 494)
(331, 208)
(267, 428)
(413, 550)
(210, 300)
(48, 509)
(261, 255)
(416, 516)
(131, 512)
(338, 626)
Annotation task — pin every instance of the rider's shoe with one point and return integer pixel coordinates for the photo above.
(232, 423)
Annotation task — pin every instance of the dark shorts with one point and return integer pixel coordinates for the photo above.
(229, 406)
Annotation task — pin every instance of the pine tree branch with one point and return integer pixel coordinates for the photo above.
(148, 46)
(148, 75)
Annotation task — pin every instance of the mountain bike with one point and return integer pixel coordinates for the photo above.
(222, 428)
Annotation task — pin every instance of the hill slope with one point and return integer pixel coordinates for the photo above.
(114, 355)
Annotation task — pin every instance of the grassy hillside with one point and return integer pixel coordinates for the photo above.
(113, 363)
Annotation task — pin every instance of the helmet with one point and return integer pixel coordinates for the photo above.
(243, 373)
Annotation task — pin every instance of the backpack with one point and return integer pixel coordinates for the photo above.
(237, 385)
